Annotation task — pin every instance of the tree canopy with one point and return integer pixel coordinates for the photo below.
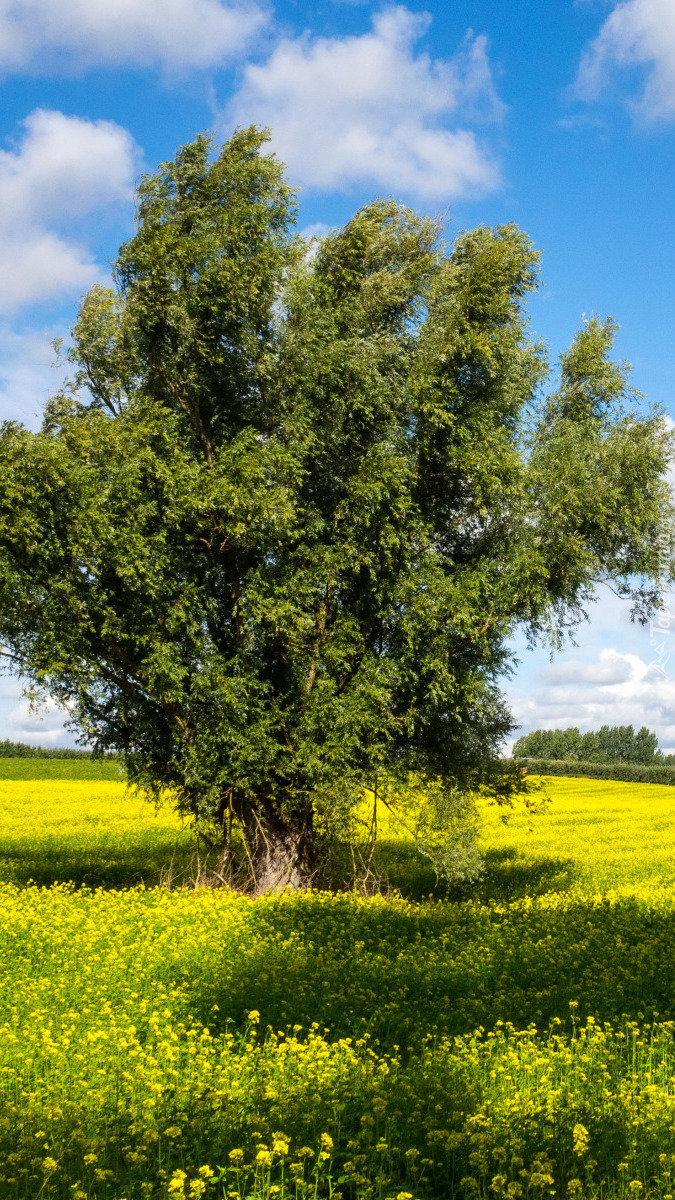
(273, 541)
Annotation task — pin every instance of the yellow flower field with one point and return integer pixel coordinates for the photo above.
(597, 836)
(83, 831)
(514, 1041)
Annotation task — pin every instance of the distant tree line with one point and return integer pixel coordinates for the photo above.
(22, 750)
(612, 743)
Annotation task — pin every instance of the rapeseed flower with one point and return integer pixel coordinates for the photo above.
(472, 1047)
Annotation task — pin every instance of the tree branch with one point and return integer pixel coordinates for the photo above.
(319, 633)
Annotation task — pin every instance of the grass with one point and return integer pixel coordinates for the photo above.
(59, 768)
(514, 1041)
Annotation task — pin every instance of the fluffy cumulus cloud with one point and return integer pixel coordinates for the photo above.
(63, 169)
(45, 727)
(615, 688)
(372, 110)
(637, 33)
(19, 723)
(74, 34)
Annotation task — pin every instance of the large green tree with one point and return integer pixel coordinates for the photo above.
(274, 540)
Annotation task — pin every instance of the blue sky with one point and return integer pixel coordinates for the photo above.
(558, 116)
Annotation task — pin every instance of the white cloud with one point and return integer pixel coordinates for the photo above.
(10, 688)
(315, 232)
(615, 688)
(41, 265)
(63, 169)
(314, 235)
(610, 668)
(369, 110)
(46, 726)
(27, 374)
(75, 34)
(637, 33)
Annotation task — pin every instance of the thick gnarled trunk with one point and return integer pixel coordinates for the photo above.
(281, 854)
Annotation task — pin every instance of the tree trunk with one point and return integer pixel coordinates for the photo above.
(282, 854)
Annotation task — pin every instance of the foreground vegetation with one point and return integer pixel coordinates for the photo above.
(515, 1041)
